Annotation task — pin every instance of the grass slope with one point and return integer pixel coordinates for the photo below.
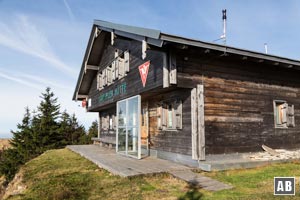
(62, 174)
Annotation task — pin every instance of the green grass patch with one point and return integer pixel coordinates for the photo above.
(254, 183)
(62, 174)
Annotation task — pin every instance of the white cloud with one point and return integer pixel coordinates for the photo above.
(23, 36)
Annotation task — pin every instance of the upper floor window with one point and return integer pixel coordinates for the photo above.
(283, 114)
(117, 69)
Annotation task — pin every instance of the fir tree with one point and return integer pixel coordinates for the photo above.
(93, 130)
(72, 132)
(78, 131)
(23, 137)
(48, 128)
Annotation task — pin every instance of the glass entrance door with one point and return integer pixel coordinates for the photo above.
(128, 127)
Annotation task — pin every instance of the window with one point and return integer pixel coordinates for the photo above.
(108, 122)
(283, 114)
(169, 115)
(109, 75)
(99, 82)
(118, 68)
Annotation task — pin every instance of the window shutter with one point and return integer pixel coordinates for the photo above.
(126, 61)
(159, 116)
(114, 122)
(178, 114)
(164, 115)
(103, 122)
(107, 122)
(173, 69)
(113, 69)
(110, 122)
(109, 75)
(116, 69)
(290, 116)
(121, 67)
(104, 75)
(284, 113)
(116, 63)
(98, 81)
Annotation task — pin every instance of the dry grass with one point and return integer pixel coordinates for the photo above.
(4, 144)
(62, 174)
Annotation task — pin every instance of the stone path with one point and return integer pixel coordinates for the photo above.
(126, 167)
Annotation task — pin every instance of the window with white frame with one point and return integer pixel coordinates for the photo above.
(283, 114)
(169, 115)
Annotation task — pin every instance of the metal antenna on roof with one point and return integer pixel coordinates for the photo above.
(223, 36)
(266, 48)
(224, 17)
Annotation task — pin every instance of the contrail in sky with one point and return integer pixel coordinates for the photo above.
(70, 13)
(23, 82)
(24, 36)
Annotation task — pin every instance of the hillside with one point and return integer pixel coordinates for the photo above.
(4, 143)
(62, 174)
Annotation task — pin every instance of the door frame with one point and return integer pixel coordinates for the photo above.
(146, 121)
(138, 128)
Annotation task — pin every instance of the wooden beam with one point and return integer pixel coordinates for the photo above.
(260, 60)
(207, 51)
(92, 67)
(194, 124)
(112, 38)
(201, 126)
(165, 71)
(99, 125)
(173, 68)
(144, 49)
(81, 96)
(96, 34)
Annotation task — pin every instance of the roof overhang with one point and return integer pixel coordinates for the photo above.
(153, 37)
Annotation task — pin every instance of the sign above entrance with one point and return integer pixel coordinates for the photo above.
(144, 68)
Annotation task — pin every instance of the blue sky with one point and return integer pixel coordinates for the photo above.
(42, 42)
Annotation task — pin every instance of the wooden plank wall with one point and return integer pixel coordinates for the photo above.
(177, 141)
(108, 133)
(239, 101)
(132, 79)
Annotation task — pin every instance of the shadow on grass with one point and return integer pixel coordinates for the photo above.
(192, 193)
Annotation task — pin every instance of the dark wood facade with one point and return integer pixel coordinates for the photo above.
(239, 93)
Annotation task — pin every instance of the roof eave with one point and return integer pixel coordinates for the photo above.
(228, 49)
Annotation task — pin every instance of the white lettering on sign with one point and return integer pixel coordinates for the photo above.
(144, 68)
(280, 186)
(288, 186)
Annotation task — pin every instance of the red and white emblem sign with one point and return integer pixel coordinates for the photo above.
(144, 68)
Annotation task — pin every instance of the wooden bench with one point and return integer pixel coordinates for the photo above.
(105, 141)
